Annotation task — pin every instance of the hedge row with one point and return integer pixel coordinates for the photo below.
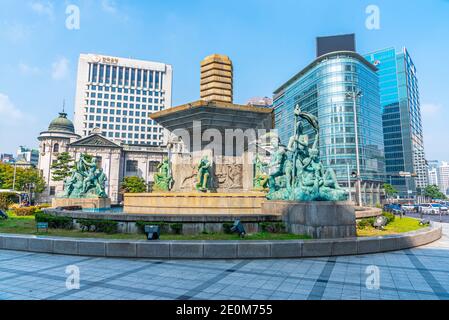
(106, 226)
(54, 222)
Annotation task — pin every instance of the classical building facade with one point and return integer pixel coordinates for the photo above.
(117, 160)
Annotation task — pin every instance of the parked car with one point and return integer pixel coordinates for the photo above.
(394, 208)
(444, 203)
(410, 207)
(432, 208)
(440, 207)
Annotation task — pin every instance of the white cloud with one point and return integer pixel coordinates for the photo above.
(26, 69)
(13, 31)
(109, 6)
(17, 127)
(60, 69)
(9, 114)
(43, 8)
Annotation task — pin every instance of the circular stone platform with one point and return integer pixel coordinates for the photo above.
(220, 249)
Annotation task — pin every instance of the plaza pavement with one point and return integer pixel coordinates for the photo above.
(419, 273)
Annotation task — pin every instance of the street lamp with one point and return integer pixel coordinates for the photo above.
(354, 95)
(14, 178)
(349, 182)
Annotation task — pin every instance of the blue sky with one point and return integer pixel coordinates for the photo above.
(268, 41)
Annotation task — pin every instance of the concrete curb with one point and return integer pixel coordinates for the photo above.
(220, 249)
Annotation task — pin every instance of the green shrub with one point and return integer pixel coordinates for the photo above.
(390, 217)
(54, 222)
(106, 226)
(272, 227)
(7, 199)
(141, 226)
(134, 184)
(24, 211)
(176, 228)
(363, 223)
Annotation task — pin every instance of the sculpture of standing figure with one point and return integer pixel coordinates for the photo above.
(163, 179)
(91, 173)
(100, 183)
(260, 174)
(69, 183)
(203, 176)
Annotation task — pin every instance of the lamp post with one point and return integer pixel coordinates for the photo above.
(349, 182)
(354, 95)
(14, 178)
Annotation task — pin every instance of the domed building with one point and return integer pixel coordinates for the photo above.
(117, 160)
(52, 142)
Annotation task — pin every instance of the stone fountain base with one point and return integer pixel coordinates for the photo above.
(317, 219)
(94, 204)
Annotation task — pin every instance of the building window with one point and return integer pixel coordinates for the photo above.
(152, 166)
(56, 147)
(131, 166)
(52, 191)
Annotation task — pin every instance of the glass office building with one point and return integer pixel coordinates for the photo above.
(321, 89)
(402, 126)
(117, 95)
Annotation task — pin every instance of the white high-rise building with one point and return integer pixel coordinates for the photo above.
(444, 177)
(117, 95)
(433, 172)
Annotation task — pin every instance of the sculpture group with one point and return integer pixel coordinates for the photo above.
(296, 172)
(163, 179)
(86, 180)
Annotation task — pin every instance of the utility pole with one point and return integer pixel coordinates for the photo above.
(14, 178)
(354, 95)
(349, 183)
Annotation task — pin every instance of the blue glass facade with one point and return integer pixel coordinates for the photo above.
(401, 116)
(321, 90)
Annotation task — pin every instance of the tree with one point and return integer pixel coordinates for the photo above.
(432, 191)
(61, 168)
(24, 177)
(134, 184)
(6, 199)
(390, 190)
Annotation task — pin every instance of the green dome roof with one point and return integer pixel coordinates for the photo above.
(61, 123)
